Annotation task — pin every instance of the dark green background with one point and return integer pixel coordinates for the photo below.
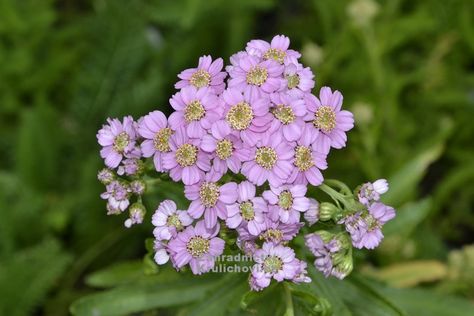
(65, 66)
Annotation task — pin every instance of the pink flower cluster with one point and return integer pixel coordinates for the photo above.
(257, 118)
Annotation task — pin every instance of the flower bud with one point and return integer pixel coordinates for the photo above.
(327, 211)
(105, 176)
(138, 187)
(137, 212)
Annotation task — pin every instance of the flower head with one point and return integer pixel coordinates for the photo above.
(207, 74)
(196, 109)
(186, 161)
(118, 140)
(248, 210)
(326, 116)
(273, 261)
(227, 148)
(210, 198)
(289, 201)
(169, 220)
(276, 50)
(271, 159)
(117, 194)
(197, 246)
(288, 115)
(370, 192)
(156, 133)
(255, 77)
(298, 80)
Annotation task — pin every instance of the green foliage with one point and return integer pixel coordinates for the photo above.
(405, 71)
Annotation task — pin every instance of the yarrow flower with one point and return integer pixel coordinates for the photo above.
(196, 246)
(207, 74)
(118, 141)
(250, 145)
(327, 117)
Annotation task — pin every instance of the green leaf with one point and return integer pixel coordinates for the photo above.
(119, 274)
(403, 183)
(408, 274)
(142, 297)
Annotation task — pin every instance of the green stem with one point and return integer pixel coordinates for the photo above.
(289, 301)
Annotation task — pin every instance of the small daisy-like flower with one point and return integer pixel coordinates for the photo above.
(207, 74)
(118, 140)
(326, 115)
(271, 160)
(196, 246)
(254, 77)
(288, 113)
(186, 161)
(273, 261)
(298, 80)
(248, 211)
(289, 202)
(169, 220)
(366, 229)
(210, 198)
(117, 194)
(308, 161)
(130, 167)
(370, 192)
(277, 50)
(228, 149)
(312, 214)
(154, 129)
(247, 117)
(323, 251)
(196, 109)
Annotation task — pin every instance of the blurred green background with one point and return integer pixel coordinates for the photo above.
(406, 69)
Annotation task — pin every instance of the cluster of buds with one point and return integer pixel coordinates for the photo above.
(246, 143)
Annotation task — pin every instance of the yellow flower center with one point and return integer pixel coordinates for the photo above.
(198, 246)
(275, 54)
(272, 264)
(224, 149)
(266, 157)
(293, 81)
(303, 158)
(161, 139)
(200, 78)
(209, 193)
(247, 211)
(186, 155)
(325, 119)
(284, 114)
(240, 116)
(121, 142)
(272, 235)
(257, 76)
(194, 111)
(173, 220)
(285, 200)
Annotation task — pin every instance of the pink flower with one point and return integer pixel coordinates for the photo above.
(308, 160)
(227, 148)
(207, 74)
(254, 77)
(271, 160)
(118, 141)
(197, 246)
(248, 211)
(195, 109)
(154, 129)
(273, 261)
(186, 161)
(210, 199)
(327, 117)
(247, 117)
(169, 220)
(277, 50)
(289, 202)
(288, 115)
(298, 80)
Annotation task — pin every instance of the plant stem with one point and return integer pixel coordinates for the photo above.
(289, 301)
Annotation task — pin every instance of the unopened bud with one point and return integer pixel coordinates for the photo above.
(137, 213)
(327, 211)
(105, 176)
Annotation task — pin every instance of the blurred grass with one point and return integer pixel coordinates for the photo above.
(406, 69)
